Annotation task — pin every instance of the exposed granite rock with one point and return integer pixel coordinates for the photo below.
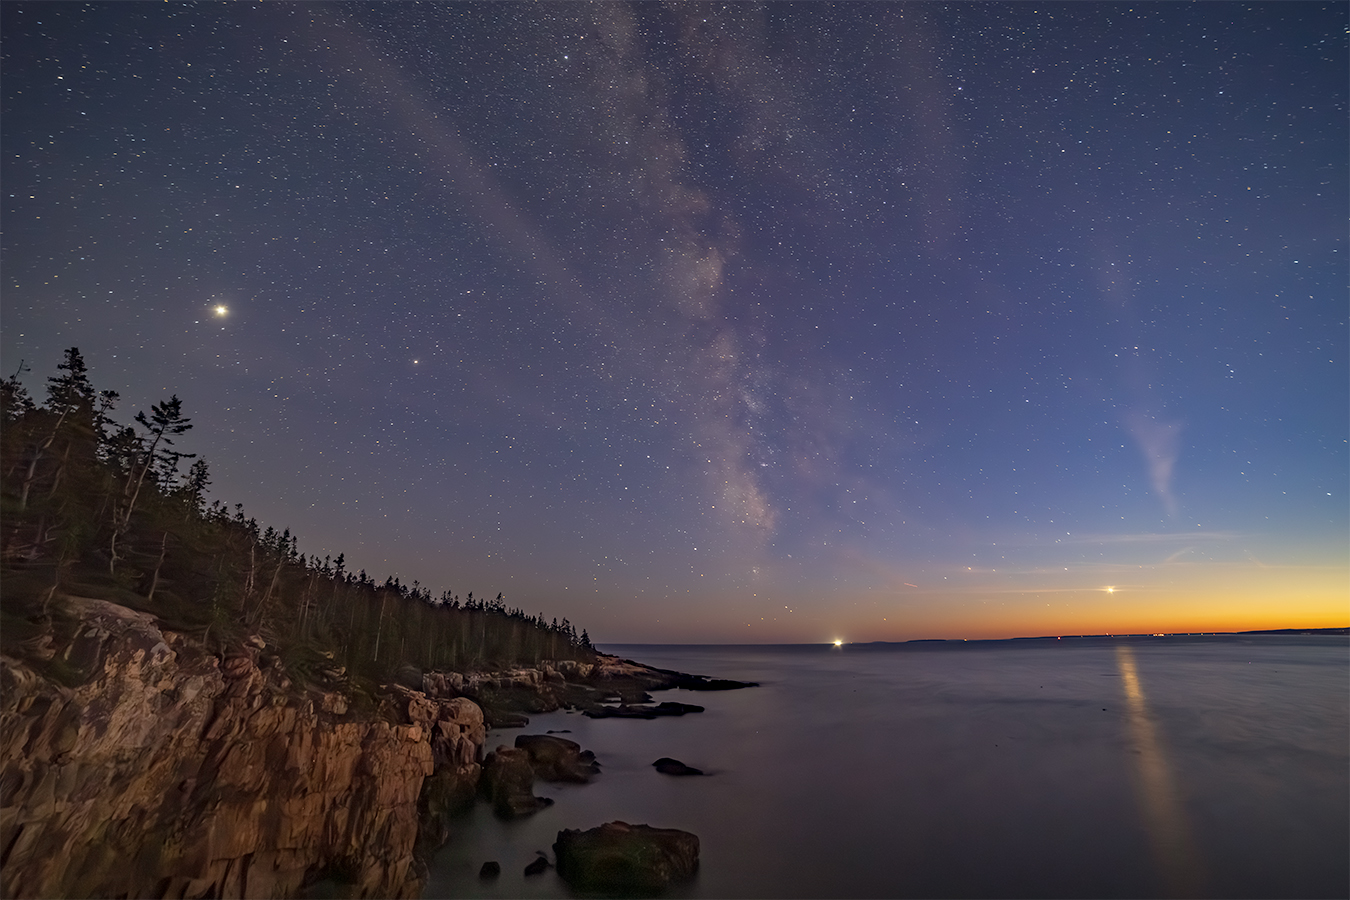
(457, 734)
(137, 764)
(508, 783)
(614, 670)
(509, 772)
(625, 859)
(508, 696)
(558, 759)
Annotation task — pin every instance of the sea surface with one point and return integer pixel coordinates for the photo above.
(1203, 766)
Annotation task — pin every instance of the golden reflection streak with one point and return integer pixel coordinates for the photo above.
(1164, 819)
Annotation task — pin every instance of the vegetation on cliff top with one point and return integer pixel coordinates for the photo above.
(95, 509)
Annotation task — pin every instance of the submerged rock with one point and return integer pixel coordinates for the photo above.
(491, 869)
(620, 712)
(622, 858)
(667, 766)
(704, 683)
(538, 867)
(667, 708)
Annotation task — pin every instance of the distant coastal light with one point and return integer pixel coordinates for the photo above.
(838, 643)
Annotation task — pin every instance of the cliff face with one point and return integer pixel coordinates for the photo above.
(137, 764)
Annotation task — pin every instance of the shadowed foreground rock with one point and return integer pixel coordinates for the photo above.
(625, 859)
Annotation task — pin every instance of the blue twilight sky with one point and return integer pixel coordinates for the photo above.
(722, 322)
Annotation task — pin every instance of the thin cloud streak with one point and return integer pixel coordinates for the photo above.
(1142, 538)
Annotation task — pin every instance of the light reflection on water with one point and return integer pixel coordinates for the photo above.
(1164, 817)
(1039, 769)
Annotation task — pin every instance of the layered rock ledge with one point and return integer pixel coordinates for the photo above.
(507, 697)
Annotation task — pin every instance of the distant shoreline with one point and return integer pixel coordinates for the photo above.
(1278, 632)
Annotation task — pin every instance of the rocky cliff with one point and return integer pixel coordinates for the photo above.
(137, 764)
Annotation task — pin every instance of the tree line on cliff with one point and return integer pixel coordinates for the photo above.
(96, 509)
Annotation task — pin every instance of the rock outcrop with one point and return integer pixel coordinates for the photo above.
(137, 764)
(508, 696)
(509, 772)
(625, 859)
(558, 759)
(508, 783)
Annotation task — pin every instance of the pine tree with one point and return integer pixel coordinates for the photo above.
(68, 396)
(165, 423)
(14, 400)
(194, 490)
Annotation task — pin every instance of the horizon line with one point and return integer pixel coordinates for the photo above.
(1329, 630)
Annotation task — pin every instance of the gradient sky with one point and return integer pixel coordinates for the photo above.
(722, 322)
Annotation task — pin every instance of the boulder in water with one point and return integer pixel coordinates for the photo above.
(627, 859)
(558, 759)
(633, 711)
(508, 783)
(667, 766)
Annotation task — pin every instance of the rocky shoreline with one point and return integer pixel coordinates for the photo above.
(138, 764)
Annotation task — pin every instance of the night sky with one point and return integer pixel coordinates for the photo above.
(722, 323)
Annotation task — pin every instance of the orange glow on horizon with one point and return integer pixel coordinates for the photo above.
(1205, 599)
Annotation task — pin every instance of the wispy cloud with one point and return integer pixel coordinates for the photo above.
(1160, 443)
(1175, 537)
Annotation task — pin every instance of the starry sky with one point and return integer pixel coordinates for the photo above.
(722, 322)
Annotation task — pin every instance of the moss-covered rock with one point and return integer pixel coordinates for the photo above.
(618, 858)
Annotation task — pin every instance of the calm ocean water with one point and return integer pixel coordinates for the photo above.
(1215, 766)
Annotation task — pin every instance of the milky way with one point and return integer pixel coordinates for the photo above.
(695, 322)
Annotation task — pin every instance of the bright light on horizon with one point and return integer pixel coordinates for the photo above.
(838, 642)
